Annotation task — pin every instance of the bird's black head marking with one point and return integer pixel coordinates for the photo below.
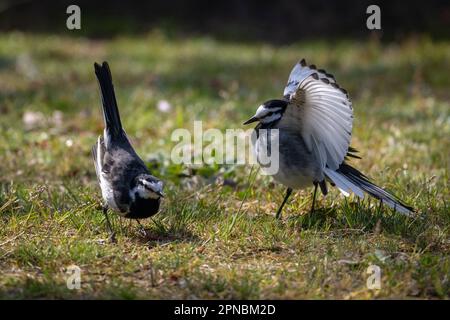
(269, 112)
(147, 186)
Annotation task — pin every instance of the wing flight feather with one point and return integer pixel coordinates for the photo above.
(324, 111)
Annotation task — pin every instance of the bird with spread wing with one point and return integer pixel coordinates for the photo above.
(314, 124)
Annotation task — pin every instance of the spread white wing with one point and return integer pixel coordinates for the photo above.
(322, 111)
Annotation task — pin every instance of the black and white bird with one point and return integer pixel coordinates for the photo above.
(314, 122)
(126, 184)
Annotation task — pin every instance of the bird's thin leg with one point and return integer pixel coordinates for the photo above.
(142, 228)
(288, 193)
(112, 235)
(314, 196)
(380, 207)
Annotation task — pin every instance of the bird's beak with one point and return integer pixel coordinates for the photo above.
(252, 119)
(159, 193)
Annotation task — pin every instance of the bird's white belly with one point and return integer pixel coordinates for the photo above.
(296, 167)
(293, 178)
(108, 193)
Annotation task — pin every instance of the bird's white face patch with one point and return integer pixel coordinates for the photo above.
(267, 115)
(261, 112)
(147, 190)
(155, 188)
(271, 118)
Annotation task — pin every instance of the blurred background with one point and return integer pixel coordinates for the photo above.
(285, 21)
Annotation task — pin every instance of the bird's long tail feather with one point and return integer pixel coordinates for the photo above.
(110, 110)
(349, 179)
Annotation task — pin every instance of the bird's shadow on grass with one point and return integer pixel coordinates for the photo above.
(154, 233)
(360, 217)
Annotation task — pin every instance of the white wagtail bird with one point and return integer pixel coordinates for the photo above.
(314, 122)
(127, 185)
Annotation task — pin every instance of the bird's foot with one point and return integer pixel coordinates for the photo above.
(143, 232)
(141, 229)
(112, 237)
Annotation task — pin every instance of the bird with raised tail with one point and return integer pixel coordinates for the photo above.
(127, 186)
(313, 125)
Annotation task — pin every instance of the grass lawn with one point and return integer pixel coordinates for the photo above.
(216, 236)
